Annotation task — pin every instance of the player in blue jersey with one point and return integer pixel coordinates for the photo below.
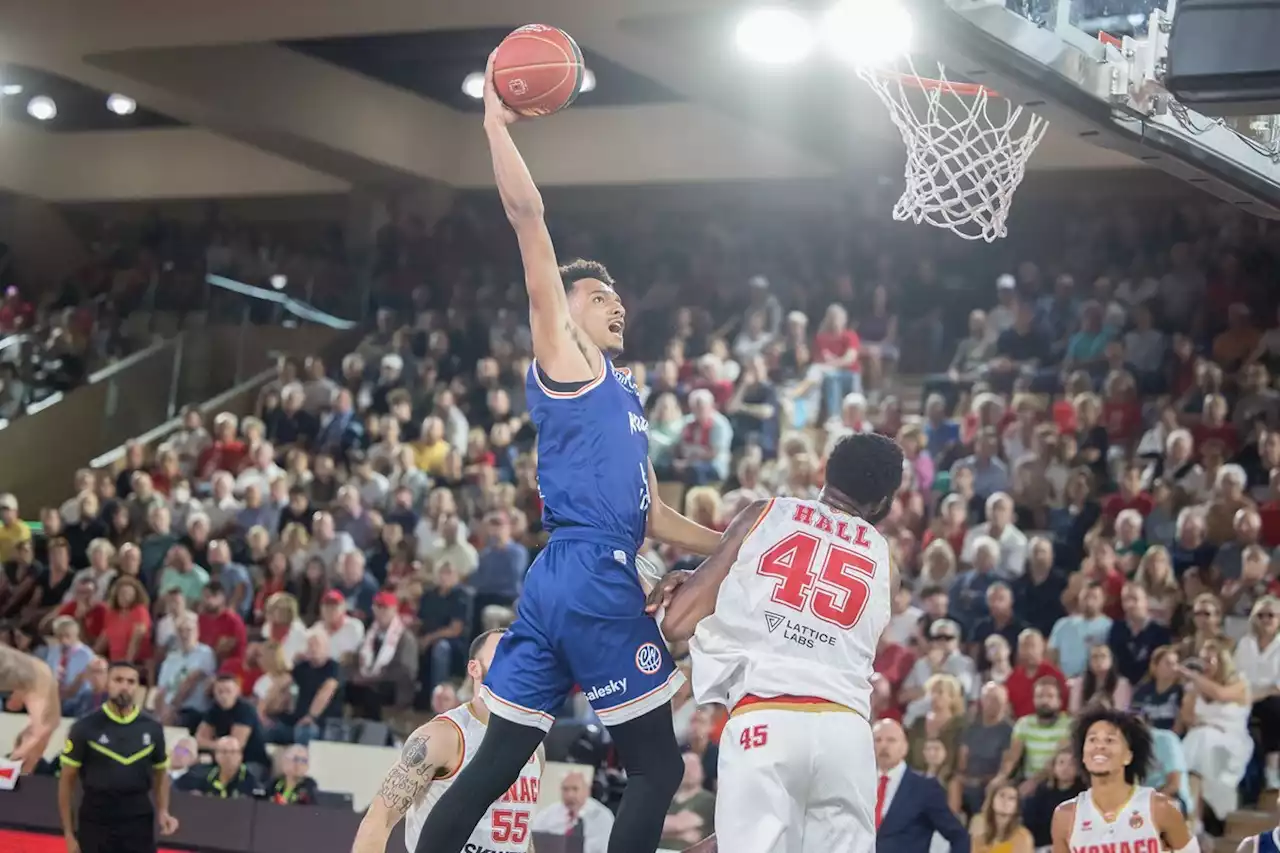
(581, 618)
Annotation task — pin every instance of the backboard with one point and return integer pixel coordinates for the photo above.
(1091, 68)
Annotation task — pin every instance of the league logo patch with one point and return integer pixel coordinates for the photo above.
(1135, 821)
(649, 659)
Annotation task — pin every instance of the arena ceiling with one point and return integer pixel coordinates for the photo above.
(286, 97)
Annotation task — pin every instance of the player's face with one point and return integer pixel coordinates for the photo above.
(598, 311)
(1105, 750)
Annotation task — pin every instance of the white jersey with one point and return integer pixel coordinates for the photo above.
(800, 613)
(1133, 830)
(505, 826)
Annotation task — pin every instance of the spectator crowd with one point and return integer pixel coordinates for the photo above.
(1088, 513)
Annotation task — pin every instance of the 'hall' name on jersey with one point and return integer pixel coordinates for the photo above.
(523, 790)
(855, 534)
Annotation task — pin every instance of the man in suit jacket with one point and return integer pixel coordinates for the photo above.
(910, 807)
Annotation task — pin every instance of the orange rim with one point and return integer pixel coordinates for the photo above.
(928, 84)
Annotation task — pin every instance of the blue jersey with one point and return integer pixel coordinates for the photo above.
(1267, 842)
(580, 619)
(593, 454)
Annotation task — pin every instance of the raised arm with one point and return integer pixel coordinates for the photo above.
(696, 598)
(434, 750)
(31, 682)
(562, 350)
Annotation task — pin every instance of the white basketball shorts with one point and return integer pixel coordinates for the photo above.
(796, 781)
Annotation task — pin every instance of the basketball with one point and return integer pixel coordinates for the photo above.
(538, 70)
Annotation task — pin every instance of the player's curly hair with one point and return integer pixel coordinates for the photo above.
(866, 469)
(575, 271)
(1132, 728)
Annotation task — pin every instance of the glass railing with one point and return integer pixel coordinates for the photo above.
(43, 450)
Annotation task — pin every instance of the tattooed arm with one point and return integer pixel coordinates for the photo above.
(33, 685)
(561, 348)
(433, 751)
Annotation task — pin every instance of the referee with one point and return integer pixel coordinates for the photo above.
(118, 754)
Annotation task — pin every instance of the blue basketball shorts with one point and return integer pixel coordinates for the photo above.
(581, 620)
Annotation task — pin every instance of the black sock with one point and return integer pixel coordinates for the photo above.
(496, 765)
(648, 749)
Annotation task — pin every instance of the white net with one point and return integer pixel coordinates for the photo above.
(967, 150)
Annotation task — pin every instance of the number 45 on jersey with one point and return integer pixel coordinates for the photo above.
(833, 586)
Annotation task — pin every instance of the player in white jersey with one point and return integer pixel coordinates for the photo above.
(1116, 814)
(432, 756)
(788, 613)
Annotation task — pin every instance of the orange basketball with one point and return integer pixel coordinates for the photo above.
(538, 70)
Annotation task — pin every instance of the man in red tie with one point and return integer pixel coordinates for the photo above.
(578, 814)
(910, 807)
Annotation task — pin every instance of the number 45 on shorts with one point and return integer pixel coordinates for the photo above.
(754, 736)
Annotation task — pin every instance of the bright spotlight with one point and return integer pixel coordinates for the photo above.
(42, 108)
(121, 105)
(473, 85)
(588, 80)
(279, 281)
(868, 32)
(776, 36)
(11, 89)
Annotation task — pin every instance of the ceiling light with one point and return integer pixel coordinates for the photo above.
(121, 105)
(11, 89)
(868, 32)
(775, 36)
(42, 107)
(473, 85)
(588, 80)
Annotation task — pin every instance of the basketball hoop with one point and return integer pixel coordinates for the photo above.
(967, 150)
